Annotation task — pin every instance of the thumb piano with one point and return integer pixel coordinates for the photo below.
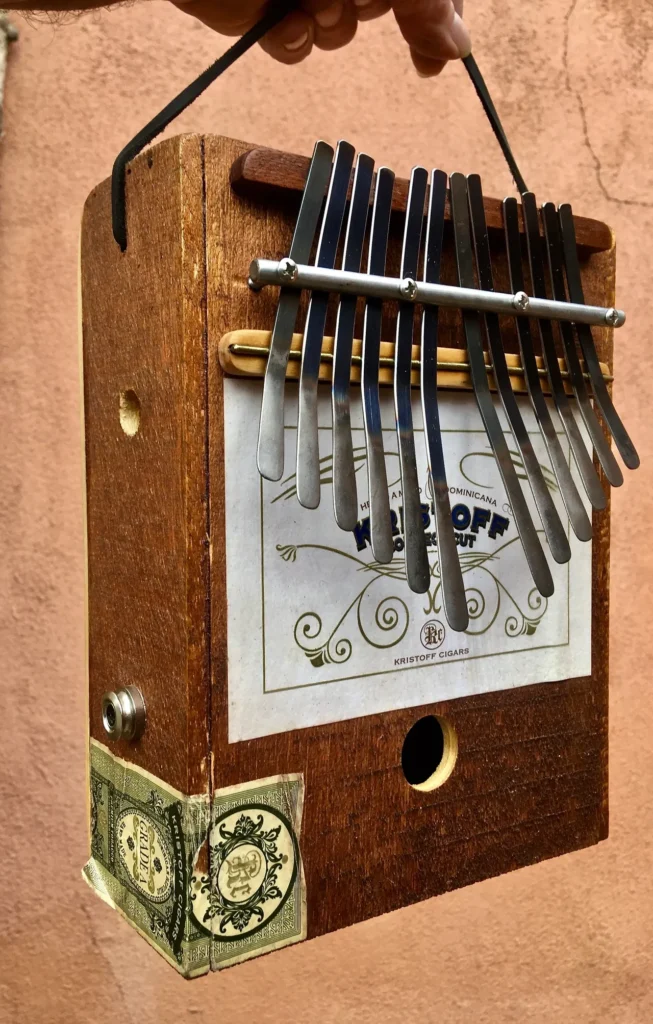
(348, 478)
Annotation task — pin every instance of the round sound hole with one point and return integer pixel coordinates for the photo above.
(429, 753)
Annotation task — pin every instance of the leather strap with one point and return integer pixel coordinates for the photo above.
(483, 94)
(275, 13)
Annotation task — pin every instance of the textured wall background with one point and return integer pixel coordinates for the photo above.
(568, 940)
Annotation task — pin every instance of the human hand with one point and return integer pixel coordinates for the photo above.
(433, 29)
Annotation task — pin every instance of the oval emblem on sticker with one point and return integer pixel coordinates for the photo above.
(144, 855)
(253, 858)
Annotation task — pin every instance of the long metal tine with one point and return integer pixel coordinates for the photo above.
(574, 283)
(345, 502)
(472, 324)
(270, 439)
(417, 560)
(606, 457)
(579, 519)
(308, 449)
(377, 480)
(588, 474)
(453, 588)
(553, 528)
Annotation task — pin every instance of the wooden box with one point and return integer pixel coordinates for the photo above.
(326, 829)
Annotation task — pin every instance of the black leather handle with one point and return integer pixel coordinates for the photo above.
(275, 13)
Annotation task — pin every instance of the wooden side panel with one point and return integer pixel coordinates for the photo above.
(148, 567)
(531, 777)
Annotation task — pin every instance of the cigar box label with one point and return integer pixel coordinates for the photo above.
(143, 833)
(253, 898)
(318, 631)
(207, 882)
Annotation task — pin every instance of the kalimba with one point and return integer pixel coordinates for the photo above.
(332, 668)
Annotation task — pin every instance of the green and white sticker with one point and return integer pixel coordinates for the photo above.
(207, 883)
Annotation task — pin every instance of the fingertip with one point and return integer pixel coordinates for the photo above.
(292, 40)
(227, 21)
(460, 36)
(335, 26)
(340, 32)
(367, 10)
(427, 67)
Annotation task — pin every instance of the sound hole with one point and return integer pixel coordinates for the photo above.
(429, 753)
(130, 412)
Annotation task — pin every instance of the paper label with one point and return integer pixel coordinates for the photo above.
(207, 883)
(319, 632)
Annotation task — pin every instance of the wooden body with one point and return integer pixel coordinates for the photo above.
(531, 780)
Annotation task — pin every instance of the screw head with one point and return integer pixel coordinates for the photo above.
(408, 288)
(521, 301)
(613, 318)
(288, 269)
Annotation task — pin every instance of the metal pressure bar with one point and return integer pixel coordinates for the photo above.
(289, 274)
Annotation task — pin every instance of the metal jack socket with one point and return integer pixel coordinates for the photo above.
(123, 713)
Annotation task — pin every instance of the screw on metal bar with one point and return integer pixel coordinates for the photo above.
(408, 288)
(288, 270)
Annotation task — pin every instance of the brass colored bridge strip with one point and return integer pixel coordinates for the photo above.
(244, 353)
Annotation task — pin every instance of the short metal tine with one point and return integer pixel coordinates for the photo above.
(308, 449)
(553, 528)
(345, 501)
(453, 588)
(418, 570)
(271, 437)
(380, 524)
(578, 517)
(605, 455)
(621, 437)
(583, 458)
(533, 550)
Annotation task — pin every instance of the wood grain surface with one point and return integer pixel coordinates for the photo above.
(531, 776)
(260, 173)
(143, 323)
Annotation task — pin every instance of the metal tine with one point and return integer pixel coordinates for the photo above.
(345, 501)
(553, 528)
(606, 457)
(418, 571)
(269, 455)
(453, 588)
(533, 550)
(580, 521)
(622, 439)
(308, 449)
(583, 458)
(380, 524)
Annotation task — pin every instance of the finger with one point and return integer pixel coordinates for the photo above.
(335, 25)
(433, 28)
(369, 9)
(227, 19)
(427, 67)
(292, 40)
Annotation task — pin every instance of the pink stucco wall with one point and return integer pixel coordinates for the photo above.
(568, 940)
